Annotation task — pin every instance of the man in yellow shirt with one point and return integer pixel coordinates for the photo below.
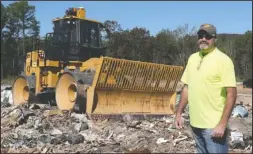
(210, 91)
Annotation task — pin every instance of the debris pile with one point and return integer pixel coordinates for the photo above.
(40, 129)
(43, 128)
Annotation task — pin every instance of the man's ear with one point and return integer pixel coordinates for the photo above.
(215, 41)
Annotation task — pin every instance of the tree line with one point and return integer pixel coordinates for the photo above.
(20, 28)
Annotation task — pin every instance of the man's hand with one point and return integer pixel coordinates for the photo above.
(230, 101)
(182, 103)
(218, 131)
(178, 121)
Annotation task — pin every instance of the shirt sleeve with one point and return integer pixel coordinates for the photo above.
(228, 74)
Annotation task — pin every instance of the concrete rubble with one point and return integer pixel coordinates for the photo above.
(43, 128)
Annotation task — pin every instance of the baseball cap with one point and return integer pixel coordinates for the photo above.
(209, 28)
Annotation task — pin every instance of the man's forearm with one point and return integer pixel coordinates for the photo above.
(230, 102)
(183, 100)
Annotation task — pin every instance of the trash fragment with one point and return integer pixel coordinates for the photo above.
(151, 125)
(237, 140)
(161, 140)
(6, 97)
(5, 87)
(180, 138)
(110, 135)
(239, 110)
(236, 136)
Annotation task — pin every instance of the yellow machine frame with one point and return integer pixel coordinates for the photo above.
(103, 86)
(122, 86)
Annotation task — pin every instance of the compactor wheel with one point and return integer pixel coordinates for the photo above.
(66, 92)
(20, 91)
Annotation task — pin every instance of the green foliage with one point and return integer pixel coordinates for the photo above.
(18, 28)
(20, 24)
(3, 16)
(8, 80)
(20, 31)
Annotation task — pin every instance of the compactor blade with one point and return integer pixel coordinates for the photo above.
(120, 87)
(133, 87)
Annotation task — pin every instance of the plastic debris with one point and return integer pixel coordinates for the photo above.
(6, 97)
(161, 140)
(240, 110)
(237, 140)
(236, 136)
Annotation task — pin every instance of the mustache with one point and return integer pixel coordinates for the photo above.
(204, 42)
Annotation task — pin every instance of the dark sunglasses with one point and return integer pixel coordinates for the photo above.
(208, 37)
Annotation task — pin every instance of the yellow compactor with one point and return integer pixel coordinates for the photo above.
(74, 71)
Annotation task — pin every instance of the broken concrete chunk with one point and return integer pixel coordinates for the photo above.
(80, 127)
(59, 139)
(15, 114)
(26, 133)
(44, 138)
(75, 138)
(84, 126)
(19, 144)
(55, 132)
(33, 122)
(75, 128)
(79, 117)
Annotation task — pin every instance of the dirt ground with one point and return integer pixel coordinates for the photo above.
(241, 90)
(43, 129)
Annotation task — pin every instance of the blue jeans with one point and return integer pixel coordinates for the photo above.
(206, 144)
